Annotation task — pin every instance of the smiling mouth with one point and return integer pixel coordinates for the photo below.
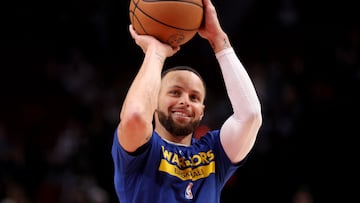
(180, 114)
(181, 117)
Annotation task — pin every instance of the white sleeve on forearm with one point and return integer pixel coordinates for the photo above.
(239, 131)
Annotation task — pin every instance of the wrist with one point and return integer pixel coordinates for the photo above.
(156, 53)
(220, 42)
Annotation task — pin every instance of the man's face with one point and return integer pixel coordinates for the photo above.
(180, 105)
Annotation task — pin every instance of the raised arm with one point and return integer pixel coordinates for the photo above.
(239, 132)
(135, 127)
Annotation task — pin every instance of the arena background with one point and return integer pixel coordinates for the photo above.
(66, 66)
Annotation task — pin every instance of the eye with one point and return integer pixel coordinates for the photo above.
(195, 98)
(174, 93)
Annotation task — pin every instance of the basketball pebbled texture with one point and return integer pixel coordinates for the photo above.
(171, 21)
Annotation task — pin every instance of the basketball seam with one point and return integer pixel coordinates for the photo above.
(138, 8)
(137, 19)
(190, 2)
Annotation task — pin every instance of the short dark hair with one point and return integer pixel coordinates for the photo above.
(187, 68)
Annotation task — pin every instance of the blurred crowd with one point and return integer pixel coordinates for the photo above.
(64, 77)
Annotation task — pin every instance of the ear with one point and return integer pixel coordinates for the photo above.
(202, 113)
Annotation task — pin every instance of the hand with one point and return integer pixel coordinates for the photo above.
(211, 28)
(146, 41)
(211, 25)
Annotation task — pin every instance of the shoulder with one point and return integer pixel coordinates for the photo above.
(210, 139)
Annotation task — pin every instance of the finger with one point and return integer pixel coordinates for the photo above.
(132, 31)
(176, 49)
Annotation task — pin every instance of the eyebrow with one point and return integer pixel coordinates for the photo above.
(180, 87)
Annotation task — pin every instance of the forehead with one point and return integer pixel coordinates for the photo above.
(183, 79)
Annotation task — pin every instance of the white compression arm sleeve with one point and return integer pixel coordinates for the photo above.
(238, 133)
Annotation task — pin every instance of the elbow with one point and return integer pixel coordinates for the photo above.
(258, 119)
(132, 117)
(254, 117)
(132, 120)
(132, 131)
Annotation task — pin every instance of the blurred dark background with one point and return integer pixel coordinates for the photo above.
(66, 66)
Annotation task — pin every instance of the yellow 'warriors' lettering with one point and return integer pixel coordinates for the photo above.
(204, 158)
(167, 155)
(196, 160)
(184, 162)
(210, 155)
(175, 159)
(187, 162)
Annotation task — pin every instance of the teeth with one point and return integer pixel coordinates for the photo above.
(180, 114)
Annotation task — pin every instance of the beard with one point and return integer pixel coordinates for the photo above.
(175, 129)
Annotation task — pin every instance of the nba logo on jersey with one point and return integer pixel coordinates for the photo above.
(188, 192)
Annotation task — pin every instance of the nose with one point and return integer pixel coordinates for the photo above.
(184, 100)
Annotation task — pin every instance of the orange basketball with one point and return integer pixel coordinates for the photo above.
(171, 21)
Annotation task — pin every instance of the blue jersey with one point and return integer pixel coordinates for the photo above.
(162, 172)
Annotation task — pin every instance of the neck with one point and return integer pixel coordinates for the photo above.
(174, 143)
(179, 140)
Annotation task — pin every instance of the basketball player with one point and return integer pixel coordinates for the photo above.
(164, 163)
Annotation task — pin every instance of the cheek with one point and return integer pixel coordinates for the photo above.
(199, 109)
(165, 103)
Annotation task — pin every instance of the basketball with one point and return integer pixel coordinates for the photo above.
(174, 22)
